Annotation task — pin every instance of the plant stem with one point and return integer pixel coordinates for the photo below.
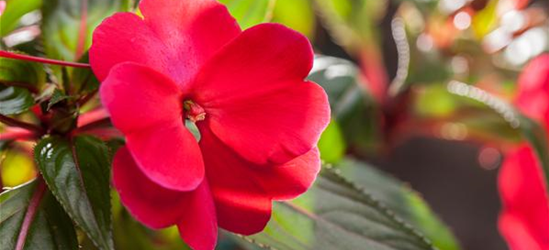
(31, 212)
(16, 123)
(95, 124)
(16, 134)
(42, 60)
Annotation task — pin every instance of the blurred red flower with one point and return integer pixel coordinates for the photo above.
(524, 221)
(259, 120)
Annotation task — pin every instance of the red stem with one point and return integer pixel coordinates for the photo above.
(92, 116)
(93, 125)
(16, 123)
(16, 134)
(42, 60)
(31, 212)
(82, 33)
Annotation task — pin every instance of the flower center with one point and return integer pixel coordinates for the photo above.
(193, 111)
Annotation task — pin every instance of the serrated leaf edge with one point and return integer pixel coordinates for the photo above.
(376, 204)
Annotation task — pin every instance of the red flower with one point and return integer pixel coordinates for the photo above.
(524, 221)
(259, 120)
(533, 90)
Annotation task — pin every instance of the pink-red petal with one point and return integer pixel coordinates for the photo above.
(114, 42)
(193, 212)
(525, 217)
(256, 99)
(175, 37)
(241, 203)
(291, 179)
(147, 108)
(139, 98)
(243, 191)
(169, 155)
(517, 233)
(148, 202)
(195, 29)
(198, 224)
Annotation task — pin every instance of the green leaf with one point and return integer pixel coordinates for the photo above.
(250, 12)
(401, 199)
(434, 100)
(536, 136)
(50, 228)
(427, 70)
(512, 118)
(336, 214)
(352, 107)
(62, 21)
(447, 113)
(77, 173)
(82, 79)
(22, 73)
(17, 80)
(57, 97)
(297, 15)
(14, 100)
(15, 9)
(352, 23)
(332, 144)
(130, 234)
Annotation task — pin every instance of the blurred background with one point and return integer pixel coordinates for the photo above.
(411, 50)
(410, 84)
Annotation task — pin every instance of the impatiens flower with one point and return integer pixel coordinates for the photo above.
(259, 120)
(524, 221)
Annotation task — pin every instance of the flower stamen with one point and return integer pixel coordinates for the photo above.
(193, 111)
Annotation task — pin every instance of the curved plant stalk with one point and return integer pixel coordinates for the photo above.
(16, 134)
(16, 56)
(30, 213)
(16, 123)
